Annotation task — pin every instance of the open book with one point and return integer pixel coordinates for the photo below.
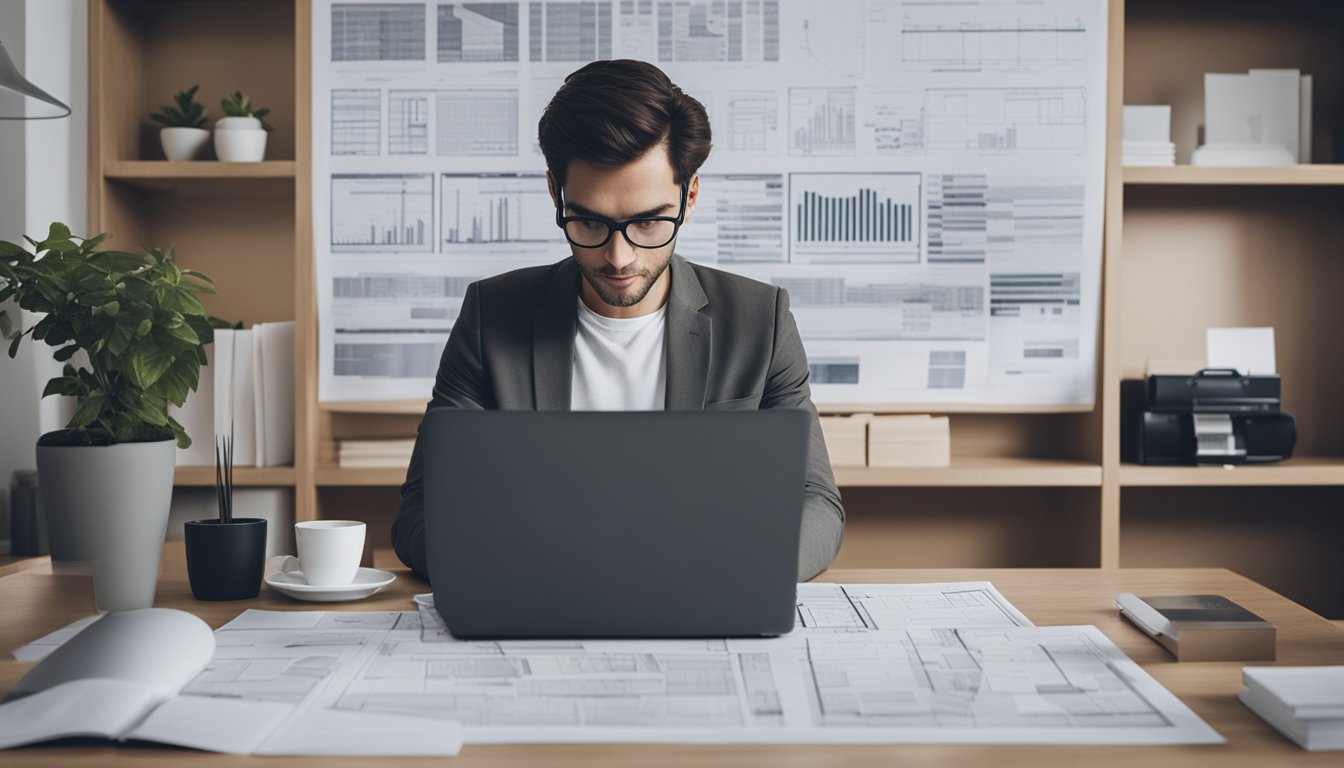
(121, 678)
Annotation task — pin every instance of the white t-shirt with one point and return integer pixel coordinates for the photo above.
(620, 364)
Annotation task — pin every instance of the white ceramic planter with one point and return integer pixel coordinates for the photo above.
(107, 506)
(239, 140)
(183, 143)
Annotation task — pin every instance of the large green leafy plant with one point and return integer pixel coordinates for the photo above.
(136, 316)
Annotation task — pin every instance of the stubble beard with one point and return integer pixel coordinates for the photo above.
(628, 299)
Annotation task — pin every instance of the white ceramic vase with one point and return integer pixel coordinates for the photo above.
(239, 140)
(181, 144)
(107, 512)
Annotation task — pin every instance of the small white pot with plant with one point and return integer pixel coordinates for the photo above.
(182, 137)
(240, 136)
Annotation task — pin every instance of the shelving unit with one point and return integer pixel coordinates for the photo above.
(1185, 248)
(1208, 247)
(237, 222)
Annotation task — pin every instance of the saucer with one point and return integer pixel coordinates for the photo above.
(368, 581)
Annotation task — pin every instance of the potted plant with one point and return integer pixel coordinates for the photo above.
(182, 138)
(240, 136)
(225, 555)
(136, 321)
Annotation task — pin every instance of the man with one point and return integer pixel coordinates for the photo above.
(624, 323)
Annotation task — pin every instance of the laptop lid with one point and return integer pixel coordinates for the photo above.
(614, 524)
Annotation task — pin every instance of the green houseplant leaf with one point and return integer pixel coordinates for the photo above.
(135, 316)
(239, 104)
(187, 112)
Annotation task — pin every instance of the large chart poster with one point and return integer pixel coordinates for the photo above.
(924, 177)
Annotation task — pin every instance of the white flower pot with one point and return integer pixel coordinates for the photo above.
(237, 124)
(239, 140)
(183, 143)
(107, 508)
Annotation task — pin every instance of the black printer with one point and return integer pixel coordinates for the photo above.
(1215, 416)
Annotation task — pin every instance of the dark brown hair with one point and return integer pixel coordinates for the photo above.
(611, 112)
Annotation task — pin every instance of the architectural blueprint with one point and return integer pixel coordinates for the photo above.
(867, 664)
(898, 606)
(925, 178)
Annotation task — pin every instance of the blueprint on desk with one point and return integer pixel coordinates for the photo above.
(915, 663)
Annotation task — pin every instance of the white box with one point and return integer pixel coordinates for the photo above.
(1147, 124)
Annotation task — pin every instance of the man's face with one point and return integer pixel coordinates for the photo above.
(621, 280)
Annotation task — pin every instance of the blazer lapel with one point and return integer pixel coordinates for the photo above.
(553, 327)
(688, 340)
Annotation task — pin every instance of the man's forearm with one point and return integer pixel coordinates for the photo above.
(820, 538)
(408, 530)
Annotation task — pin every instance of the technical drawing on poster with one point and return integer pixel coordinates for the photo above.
(925, 178)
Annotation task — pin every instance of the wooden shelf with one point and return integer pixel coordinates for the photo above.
(964, 472)
(15, 563)
(335, 474)
(417, 407)
(1307, 470)
(374, 406)
(200, 169)
(270, 175)
(975, 472)
(242, 476)
(1189, 175)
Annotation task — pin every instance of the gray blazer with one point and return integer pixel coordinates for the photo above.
(732, 344)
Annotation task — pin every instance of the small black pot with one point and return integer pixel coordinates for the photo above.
(225, 560)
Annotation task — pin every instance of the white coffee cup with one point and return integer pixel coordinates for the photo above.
(329, 551)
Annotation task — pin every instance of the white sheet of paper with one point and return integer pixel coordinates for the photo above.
(332, 732)
(1279, 90)
(39, 648)
(234, 726)
(1249, 350)
(977, 654)
(158, 649)
(897, 606)
(254, 618)
(103, 708)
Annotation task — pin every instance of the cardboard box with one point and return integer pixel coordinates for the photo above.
(846, 439)
(909, 441)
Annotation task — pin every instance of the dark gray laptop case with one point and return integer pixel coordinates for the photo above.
(614, 524)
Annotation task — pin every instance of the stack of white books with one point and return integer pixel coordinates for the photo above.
(1306, 704)
(375, 454)
(247, 389)
(1147, 136)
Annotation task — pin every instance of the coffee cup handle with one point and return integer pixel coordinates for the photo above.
(289, 564)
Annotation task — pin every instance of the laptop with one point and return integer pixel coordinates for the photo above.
(550, 524)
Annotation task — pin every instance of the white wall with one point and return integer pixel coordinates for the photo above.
(43, 178)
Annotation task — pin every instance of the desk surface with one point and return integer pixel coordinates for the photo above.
(34, 602)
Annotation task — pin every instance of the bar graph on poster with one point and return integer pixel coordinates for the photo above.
(924, 178)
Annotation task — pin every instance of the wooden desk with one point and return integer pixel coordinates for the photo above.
(33, 602)
(15, 563)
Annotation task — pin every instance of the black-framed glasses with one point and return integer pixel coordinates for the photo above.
(641, 232)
